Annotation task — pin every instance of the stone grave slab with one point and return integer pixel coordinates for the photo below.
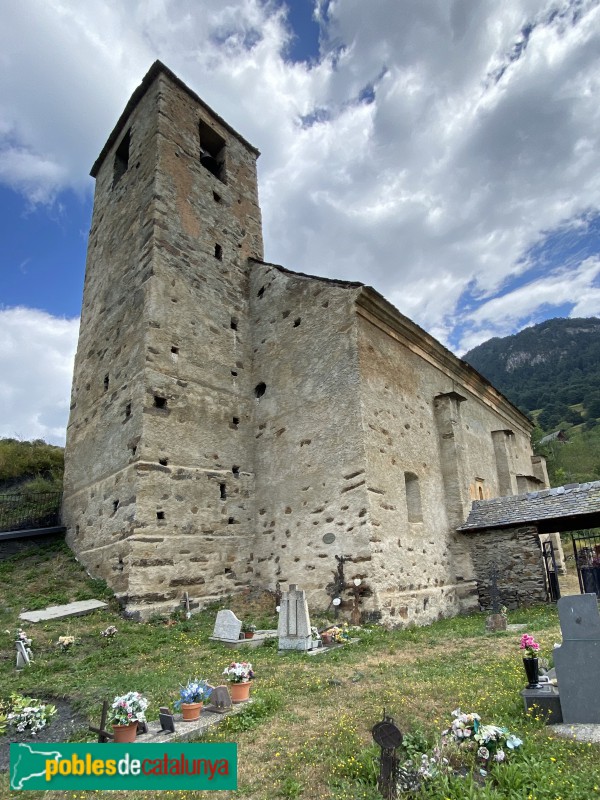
(227, 627)
(577, 659)
(578, 731)
(257, 640)
(77, 609)
(545, 701)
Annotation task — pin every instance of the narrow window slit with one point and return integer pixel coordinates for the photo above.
(223, 491)
(121, 158)
(218, 252)
(160, 515)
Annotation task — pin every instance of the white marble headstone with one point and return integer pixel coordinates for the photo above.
(227, 625)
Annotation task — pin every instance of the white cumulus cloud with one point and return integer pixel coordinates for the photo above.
(36, 367)
(430, 149)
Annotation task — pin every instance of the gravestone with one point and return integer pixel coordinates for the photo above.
(227, 626)
(294, 629)
(166, 719)
(495, 622)
(220, 700)
(577, 660)
(24, 655)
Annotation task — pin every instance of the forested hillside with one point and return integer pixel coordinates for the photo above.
(552, 368)
(551, 371)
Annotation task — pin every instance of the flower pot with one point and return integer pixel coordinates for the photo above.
(125, 733)
(532, 670)
(248, 634)
(190, 711)
(239, 692)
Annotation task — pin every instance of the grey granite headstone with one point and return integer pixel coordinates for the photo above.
(294, 629)
(577, 660)
(227, 626)
(220, 700)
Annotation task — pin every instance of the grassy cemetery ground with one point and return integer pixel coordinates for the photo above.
(307, 732)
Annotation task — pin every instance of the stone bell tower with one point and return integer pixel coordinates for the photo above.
(159, 476)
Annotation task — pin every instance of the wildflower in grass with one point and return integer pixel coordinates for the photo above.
(109, 632)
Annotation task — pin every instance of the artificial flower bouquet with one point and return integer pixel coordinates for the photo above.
(529, 646)
(129, 708)
(194, 691)
(239, 672)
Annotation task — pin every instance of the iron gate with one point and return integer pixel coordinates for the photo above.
(586, 548)
(552, 586)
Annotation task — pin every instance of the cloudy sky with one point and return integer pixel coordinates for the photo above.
(443, 151)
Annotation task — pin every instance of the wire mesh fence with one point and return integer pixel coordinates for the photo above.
(29, 510)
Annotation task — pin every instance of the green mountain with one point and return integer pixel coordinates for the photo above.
(551, 371)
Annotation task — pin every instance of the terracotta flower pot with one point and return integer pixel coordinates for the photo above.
(125, 733)
(190, 711)
(239, 692)
(248, 634)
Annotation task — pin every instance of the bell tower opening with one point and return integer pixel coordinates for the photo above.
(212, 151)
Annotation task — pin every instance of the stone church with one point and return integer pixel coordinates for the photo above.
(236, 424)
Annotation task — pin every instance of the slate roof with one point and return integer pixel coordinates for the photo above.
(572, 500)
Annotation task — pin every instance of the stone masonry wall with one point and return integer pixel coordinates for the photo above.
(421, 568)
(309, 453)
(517, 555)
(160, 469)
(100, 484)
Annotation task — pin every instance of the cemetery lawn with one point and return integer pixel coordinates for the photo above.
(307, 732)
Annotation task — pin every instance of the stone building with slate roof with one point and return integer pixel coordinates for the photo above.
(235, 424)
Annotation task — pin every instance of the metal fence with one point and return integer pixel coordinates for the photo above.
(587, 559)
(29, 510)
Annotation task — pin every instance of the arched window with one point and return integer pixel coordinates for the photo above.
(413, 497)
